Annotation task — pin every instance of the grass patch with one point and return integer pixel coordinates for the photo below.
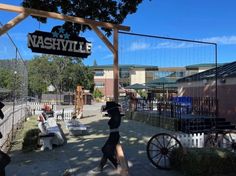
(204, 161)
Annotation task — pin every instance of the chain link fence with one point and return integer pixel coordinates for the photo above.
(13, 89)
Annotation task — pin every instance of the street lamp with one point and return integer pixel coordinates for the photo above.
(70, 83)
(14, 99)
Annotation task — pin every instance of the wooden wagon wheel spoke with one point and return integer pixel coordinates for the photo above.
(232, 140)
(155, 145)
(163, 140)
(173, 146)
(228, 141)
(159, 142)
(153, 150)
(169, 142)
(159, 159)
(156, 155)
(168, 155)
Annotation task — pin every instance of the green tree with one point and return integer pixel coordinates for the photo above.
(114, 11)
(97, 94)
(5, 78)
(38, 75)
(64, 73)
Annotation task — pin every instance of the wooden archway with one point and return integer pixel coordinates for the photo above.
(25, 12)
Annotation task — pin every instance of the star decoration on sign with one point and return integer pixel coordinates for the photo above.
(55, 34)
(66, 36)
(61, 30)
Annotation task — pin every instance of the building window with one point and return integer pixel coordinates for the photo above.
(169, 74)
(124, 84)
(99, 72)
(99, 84)
(124, 73)
(179, 74)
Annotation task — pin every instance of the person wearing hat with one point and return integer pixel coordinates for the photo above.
(109, 148)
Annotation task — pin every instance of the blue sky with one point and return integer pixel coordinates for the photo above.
(211, 20)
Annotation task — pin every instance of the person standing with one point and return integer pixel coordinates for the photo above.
(109, 148)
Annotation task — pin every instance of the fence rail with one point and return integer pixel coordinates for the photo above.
(197, 106)
(14, 120)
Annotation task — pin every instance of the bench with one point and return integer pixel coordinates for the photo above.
(44, 136)
(50, 134)
(75, 127)
(46, 140)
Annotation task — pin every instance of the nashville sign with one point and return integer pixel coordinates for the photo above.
(59, 42)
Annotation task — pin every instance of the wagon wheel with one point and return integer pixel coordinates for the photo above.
(159, 148)
(229, 141)
(211, 141)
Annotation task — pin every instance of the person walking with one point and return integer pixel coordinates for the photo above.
(109, 148)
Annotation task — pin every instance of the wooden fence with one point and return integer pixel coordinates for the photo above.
(13, 119)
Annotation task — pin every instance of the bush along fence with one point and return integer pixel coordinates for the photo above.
(13, 120)
(202, 162)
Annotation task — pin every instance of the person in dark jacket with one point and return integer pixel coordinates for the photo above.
(109, 148)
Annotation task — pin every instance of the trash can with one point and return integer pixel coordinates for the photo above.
(87, 98)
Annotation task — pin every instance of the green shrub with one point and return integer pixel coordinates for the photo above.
(142, 93)
(30, 140)
(97, 94)
(204, 162)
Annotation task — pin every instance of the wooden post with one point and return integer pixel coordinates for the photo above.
(123, 162)
(79, 101)
(115, 66)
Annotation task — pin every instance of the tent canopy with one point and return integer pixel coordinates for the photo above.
(137, 86)
(163, 80)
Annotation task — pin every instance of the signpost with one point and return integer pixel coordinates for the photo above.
(59, 42)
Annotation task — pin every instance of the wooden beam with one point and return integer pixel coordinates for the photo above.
(13, 22)
(103, 38)
(41, 13)
(93, 24)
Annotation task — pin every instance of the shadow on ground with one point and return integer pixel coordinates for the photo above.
(82, 153)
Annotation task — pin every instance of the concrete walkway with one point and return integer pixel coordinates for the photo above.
(82, 154)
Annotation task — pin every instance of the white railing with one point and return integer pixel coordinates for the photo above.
(191, 140)
(63, 114)
(11, 121)
(37, 106)
(59, 113)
